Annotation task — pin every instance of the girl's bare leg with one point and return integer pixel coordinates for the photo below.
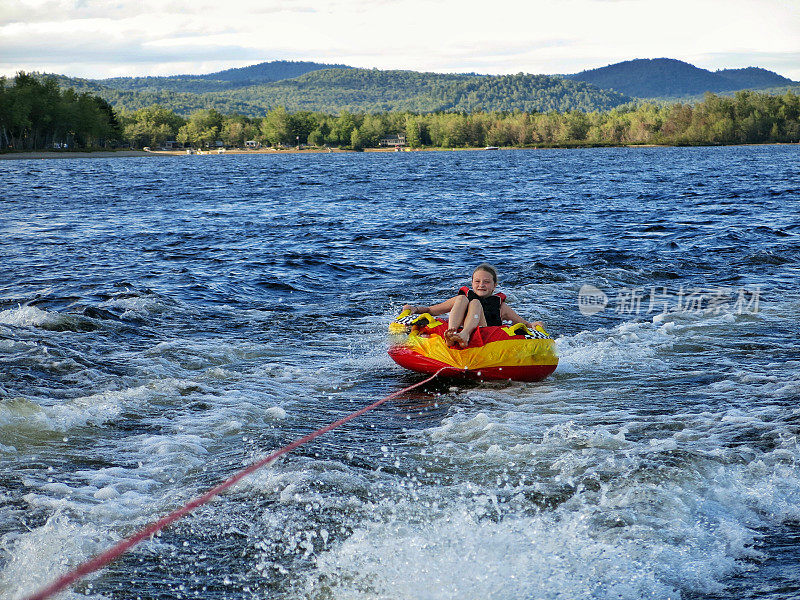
(473, 319)
(456, 318)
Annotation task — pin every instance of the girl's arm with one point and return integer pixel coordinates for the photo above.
(507, 314)
(435, 309)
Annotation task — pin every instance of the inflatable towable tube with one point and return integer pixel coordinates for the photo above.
(513, 352)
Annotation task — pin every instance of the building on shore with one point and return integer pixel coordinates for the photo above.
(395, 140)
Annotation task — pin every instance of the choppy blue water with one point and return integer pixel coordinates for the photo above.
(164, 322)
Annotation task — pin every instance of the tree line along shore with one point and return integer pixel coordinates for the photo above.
(38, 115)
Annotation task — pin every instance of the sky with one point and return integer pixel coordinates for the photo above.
(109, 38)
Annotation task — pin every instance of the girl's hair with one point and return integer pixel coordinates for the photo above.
(489, 269)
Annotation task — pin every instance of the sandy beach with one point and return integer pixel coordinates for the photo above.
(149, 153)
(155, 153)
(101, 154)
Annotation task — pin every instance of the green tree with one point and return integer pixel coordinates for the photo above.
(316, 138)
(5, 113)
(35, 113)
(276, 127)
(205, 127)
(342, 128)
(301, 124)
(356, 140)
(414, 131)
(151, 126)
(232, 133)
(373, 128)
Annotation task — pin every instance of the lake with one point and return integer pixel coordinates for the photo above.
(166, 321)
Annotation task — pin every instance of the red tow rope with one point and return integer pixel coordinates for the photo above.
(113, 553)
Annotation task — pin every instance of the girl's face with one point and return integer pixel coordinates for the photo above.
(483, 283)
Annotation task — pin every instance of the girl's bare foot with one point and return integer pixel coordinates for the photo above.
(454, 338)
(460, 340)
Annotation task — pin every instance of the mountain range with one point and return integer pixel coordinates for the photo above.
(228, 79)
(670, 78)
(333, 88)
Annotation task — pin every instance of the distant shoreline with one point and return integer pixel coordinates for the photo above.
(47, 155)
(44, 155)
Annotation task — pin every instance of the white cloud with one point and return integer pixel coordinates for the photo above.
(104, 38)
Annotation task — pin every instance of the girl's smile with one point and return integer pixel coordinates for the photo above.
(483, 283)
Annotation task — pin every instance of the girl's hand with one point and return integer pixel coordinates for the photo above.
(410, 307)
(535, 324)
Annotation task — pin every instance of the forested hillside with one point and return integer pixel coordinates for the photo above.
(36, 114)
(753, 78)
(669, 78)
(221, 80)
(372, 90)
(184, 103)
(299, 86)
(529, 93)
